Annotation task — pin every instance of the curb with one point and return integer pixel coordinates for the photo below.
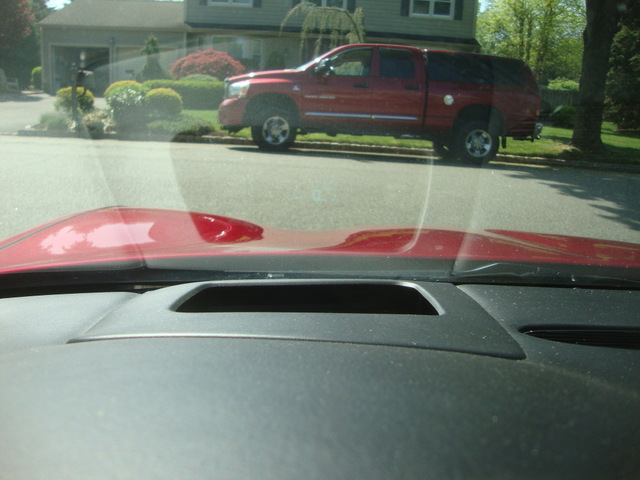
(345, 147)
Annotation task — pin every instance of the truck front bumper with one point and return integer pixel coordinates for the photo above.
(231, 112)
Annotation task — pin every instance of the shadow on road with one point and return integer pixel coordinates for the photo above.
(620, 191)
(365, 157)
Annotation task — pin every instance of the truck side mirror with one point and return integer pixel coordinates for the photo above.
(323, 68)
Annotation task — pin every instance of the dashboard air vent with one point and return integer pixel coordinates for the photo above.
(314, 298)
(628, 338)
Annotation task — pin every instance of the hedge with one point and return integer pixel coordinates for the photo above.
(164, 102)
(195, 95)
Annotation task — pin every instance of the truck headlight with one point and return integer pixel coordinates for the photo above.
(238, 89)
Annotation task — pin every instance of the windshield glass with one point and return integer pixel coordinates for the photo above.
(502, 154)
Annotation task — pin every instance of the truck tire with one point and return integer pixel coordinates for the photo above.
(476, 143)
(274, 131)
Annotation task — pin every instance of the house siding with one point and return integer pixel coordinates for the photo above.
(383, 20)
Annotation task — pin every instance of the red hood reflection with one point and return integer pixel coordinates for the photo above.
(130, 234)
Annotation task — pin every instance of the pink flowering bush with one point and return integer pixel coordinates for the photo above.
(207, 62)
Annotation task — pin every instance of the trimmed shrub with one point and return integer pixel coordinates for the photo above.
(164, 101)
(195, 95)
(563, 116)
(197, 77)
(128, 108)
(36, 78)
(152, 70)
(96, 121)
(63, 99)
(275, 61)
(207, 62)
(181, 125)
(123, 85)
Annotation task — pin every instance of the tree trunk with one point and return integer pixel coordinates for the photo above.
(602, 24)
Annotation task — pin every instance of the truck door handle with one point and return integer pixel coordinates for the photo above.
(412, 87)
(361, 85)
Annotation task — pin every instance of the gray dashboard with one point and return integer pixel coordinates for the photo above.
(321, 379)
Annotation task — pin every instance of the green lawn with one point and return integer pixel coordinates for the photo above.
(555, 142)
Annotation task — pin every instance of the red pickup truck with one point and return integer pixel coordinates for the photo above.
(462, 102)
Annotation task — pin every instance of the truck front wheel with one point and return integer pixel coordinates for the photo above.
(476, 143)
(274, 131)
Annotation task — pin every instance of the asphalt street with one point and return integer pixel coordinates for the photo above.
(45, 178)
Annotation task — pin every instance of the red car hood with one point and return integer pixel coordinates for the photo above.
(131, 234)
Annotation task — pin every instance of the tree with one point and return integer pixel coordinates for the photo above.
(334, 24)
(602, 24)
(15, 22)
(623, 81)
(21, 57)
(152, 70)
(207, 62)
(543, 33)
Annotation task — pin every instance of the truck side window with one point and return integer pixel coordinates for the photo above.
(448, 67)
(355, 63)
(396, 63)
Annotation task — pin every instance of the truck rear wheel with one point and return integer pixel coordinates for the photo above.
(476, 143)
(274, 131)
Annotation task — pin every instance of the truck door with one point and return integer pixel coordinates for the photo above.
(398, 91)
(341, 96)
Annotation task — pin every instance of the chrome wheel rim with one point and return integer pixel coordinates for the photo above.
(478, 143)
(276, 130)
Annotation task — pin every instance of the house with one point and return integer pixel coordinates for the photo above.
(106, 36)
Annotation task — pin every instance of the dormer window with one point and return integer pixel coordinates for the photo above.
(241, 3)
(330, 3)
(432, 8)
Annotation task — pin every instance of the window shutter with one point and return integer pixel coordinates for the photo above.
(351, 5)
(404, 8)
(458, 7)
(257, 3)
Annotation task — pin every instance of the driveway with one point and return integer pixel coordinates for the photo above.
(26, 110)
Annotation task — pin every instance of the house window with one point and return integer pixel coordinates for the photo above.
(330, 3)
(432, 8)
(246, 3)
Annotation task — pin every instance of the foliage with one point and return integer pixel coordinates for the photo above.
(275, 61)
(36, 78)
(207, 62)
(128, 107)
(64, 101)
(122, 85)
(164, 102)
(563, 84)
(181, 125)
(16, 19)
(195, 95)
(623, 82)
(563, 116)
(546, 34)
(152, 69)
(334, 24)
(196, 77)
(55, 122)
(19, 58)
(97, 121)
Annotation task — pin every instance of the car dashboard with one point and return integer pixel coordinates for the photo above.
(321, 379)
